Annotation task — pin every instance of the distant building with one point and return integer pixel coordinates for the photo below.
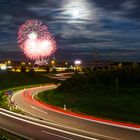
(3, 66)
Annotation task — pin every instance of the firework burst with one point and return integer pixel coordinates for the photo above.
(35, 40)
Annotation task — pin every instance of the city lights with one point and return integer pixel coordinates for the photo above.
(77, 62)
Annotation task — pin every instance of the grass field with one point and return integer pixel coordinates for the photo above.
(83, 95)
(15, 81)
(11, 80)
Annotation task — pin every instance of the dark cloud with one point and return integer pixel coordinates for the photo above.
(111, 26)
(80, 40)
(109, 4)
(125, 8)
(14, 55)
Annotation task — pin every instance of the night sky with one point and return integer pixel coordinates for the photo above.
(83, 29)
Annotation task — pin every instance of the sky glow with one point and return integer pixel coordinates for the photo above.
(78, 26)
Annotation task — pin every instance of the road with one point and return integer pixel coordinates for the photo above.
(68, 122)
(30, 128)
(62, 76)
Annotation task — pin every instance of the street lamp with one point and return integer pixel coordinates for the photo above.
(77, 64)
(23, 63)
(9, 62)
(66, 63)
(53, 62)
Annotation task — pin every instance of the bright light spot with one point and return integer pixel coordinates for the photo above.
(9, 67)
(35, 40)
(39, 48)
(45, 43)
(33, 43)
(77, 62)
(3, 67)
(78, 10)
(75, 13)
(32, 36)
(23, 63)
(9, 62)
(53, 62)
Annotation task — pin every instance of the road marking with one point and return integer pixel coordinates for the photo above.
(96, 121)
(57, 125)
(56, 135)
(103, 122)
(39, 109)
(49, 127)
(34, 95)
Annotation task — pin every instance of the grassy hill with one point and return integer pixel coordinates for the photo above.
(112, 94)
(10, 80)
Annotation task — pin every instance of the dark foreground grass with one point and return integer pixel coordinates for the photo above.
(105, 103)
(15, 81)
(8, 136)
(121, 103)
(11, 79)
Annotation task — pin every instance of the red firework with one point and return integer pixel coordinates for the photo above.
(35, 40)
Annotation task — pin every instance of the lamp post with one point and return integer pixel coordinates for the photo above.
(52, 62)
(77, 64)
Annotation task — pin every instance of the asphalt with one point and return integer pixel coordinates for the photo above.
(67, 122)
(28, 128)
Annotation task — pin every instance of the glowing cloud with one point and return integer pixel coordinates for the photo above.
(77, 10)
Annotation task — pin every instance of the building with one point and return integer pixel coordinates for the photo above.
(3, 66)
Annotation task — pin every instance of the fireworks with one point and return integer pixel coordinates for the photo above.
(41, 62)
(35, 40)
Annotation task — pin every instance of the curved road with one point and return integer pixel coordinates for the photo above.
(29, 128)
(54, 124)
(85, 128)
